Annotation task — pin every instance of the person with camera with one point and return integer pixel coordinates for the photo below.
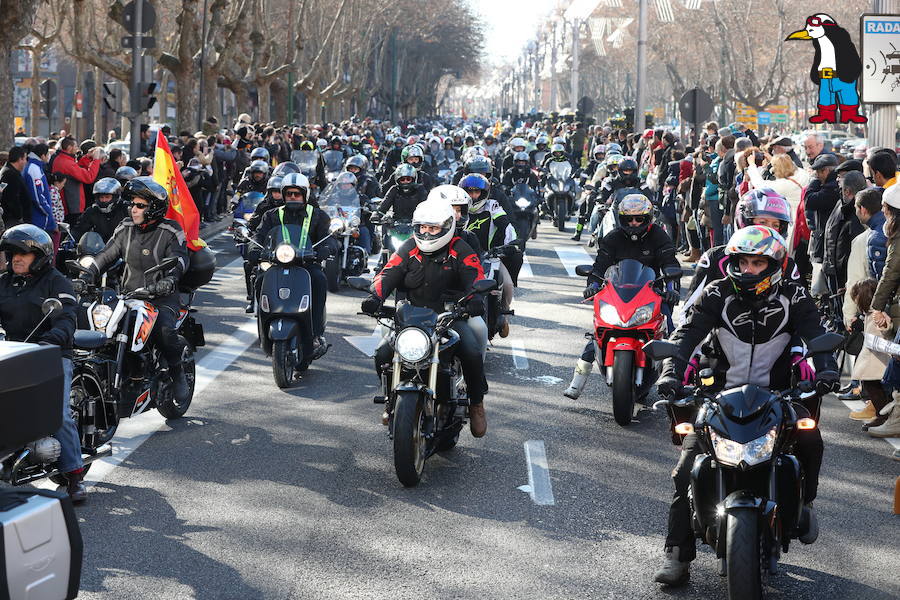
(28, 281)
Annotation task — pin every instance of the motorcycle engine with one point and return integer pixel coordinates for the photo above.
(44, 451)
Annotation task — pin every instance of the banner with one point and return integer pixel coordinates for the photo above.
(181, 204)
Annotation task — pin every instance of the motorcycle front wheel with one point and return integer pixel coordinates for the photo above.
(283, 361)
(562, 213)
(409, 441)
(168, 407)
(623, 390)
(743, 556)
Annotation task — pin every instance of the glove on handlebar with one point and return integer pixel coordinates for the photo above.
(591, 290)
(692, 369)
(371, 304)
(323, 251)
(671, 297)
(804, 369)
(475, 306)
(163, 287)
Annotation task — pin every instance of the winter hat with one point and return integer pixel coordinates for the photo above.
(891, 196)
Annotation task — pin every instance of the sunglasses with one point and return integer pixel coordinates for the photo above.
(639, 219)
(140, 205)
(293, 194)
(405, 180)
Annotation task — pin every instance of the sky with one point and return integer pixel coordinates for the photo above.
(510, 24)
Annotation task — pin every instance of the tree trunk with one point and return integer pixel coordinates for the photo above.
(99, 124)
(263, 91)
(279, 95)
(211, 96)
(6, 101)
(185, 100)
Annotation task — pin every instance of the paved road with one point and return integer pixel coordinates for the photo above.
(262, 493)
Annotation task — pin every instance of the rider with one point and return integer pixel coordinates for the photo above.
(254, 179)
(28, 280)
(516, 145)
(622, 180)
(520, 173)
(142, 242)
(635, 237)
(491, 225)
(404, 196)
(415, 156)
(272, 200)
(754, 313)
(434, 262)
(315, 225)
(107, 212)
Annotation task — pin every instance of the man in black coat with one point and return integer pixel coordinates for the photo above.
(14, 200)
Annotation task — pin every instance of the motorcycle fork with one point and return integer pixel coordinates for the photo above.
(122, 338)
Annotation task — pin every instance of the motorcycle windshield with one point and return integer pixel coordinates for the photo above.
(408, 315)
(629, 277)
(306, 160)
(251, 200)
(560, 170)
(521, 191)
(340, 202)
(334, 160)
(289, 234)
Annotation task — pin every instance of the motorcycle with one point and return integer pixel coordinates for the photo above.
(396, 231)
(334, 164)
(746, 484)
(246, 204)
(342, 207)
(307, 160)
(526, 216)
(424, 392)
(284, 303)
(627, 313)
(560, 192)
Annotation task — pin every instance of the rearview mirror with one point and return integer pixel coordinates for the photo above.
(672, 273)
(584, 270)
(484, 285)
(359, 283)
(827, 342)
(660, 349)
(51, 305)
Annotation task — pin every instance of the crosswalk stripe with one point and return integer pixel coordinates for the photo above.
(525, 271)
(571, 257)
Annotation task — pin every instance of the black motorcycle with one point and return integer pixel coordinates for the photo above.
(746, 485)
(284, 302)
(560, 192)
(424, 392)
(525, 217)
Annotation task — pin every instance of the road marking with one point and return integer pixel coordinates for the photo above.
(525, 271)
(859, 405)
(571, 257)
(367, 344)
(520, 358)
(539, 486)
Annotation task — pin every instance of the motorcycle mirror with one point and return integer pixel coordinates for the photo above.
(672, 273)
(659, 349)
(165, 265)
(359, 283)
(827, 342)
(484, 285)
(584, 270)
(51, 305)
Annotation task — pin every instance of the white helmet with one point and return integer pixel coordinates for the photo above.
(516, 142)
(295, 181)
(438, 212)
(454, 195)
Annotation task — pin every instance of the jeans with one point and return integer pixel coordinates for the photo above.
(67, 435)
(834, 91)
(365, 239)
(808, 449)
(715, 218)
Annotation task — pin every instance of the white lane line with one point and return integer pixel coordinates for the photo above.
(520, 358)
(859, 405)
(539, 487)
(134, 432)
(572, 256)
(367, 344)
(525, 271)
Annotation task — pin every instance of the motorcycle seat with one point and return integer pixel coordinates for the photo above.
(86, 339)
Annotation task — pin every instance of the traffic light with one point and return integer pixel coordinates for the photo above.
(148, 100)
(48, 96)
(109, 95)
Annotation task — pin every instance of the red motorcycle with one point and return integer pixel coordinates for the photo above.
(627, 314)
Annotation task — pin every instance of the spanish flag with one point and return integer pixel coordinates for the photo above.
(181, 203)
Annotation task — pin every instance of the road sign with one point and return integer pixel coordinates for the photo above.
(880, 44)
(780, 117)
(764, 118)
(674, 123)
(147, 41)
(695, 106)
(148, 18)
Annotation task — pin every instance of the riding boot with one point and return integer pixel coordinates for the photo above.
(582, 370)
(477, 420)
(674, 572)
(74, 486)
(826, 114)
(578, 228)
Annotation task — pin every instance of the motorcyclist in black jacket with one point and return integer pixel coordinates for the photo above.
(626, 178)
(296, 211)
(635, 237)
(404, 196)
(272, 200)
(520, 173)
(754, 314)
(29, 280)
(107, 212)
(143, 241)
(254, 179)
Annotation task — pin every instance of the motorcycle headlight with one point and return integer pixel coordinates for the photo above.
(100, 316)
(285, 253)
(354, 221)
(336, 225)
(522, 203)
(412, 344)
(640, 316)
(729, 452)
(609, 314)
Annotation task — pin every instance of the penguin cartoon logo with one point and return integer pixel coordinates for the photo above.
(836, 69)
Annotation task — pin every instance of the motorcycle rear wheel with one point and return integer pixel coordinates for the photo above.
(623, 390)
(283, 361)
(168, 407)
(409, 441)
(743, 556)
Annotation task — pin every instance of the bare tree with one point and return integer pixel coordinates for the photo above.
(16, 19)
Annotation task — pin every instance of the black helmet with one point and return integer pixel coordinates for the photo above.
(260, 154)
(628, 179)
(90, 244)
(107, 186)
(28, 238)
(478, 164)
(357, 160)
(274, 183)
(125, 174)
(285, 168)
(259, 166)
(156, 196)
